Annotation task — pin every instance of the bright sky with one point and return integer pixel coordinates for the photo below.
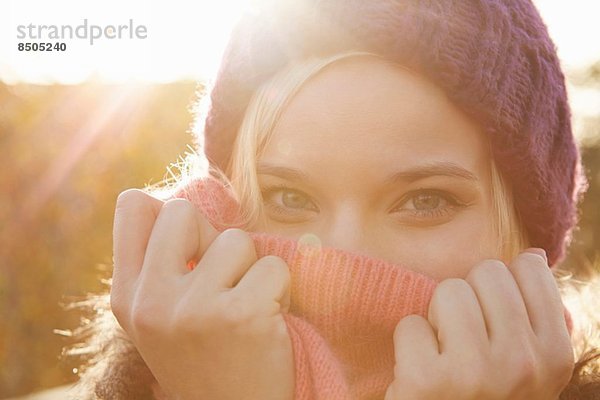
(574, 27)
(186, 39)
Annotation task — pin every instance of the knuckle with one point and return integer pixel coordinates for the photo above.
(406, 326)
(118, 305)
(530, 264)
(450, 287)
(531, 259)
(524, 367)
(275, 266)
(178, 206)
(449, 290)
(131, 196)
(208, 317)
(472, 383)
(274, 261)
(144, 317)
(422, 383)
(238, 238)
(187, 320)
(562, 365)
(234, 311)
(562, 375)
(410, 321)
(487, 269)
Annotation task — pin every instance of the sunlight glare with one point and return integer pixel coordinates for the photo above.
(185, 40)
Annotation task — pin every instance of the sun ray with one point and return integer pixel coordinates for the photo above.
(118, 104)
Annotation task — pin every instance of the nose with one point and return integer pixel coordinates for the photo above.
(347, 229)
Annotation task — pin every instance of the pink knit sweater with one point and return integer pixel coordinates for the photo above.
(344, 306)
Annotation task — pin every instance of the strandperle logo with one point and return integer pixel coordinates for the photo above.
(87, 31)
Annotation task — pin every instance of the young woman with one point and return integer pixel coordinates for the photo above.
(400, 179)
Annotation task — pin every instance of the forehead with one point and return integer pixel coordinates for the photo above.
(364, 112)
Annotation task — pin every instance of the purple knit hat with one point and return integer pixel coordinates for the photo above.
(493, 58)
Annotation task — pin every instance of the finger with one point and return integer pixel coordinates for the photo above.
(415, 352)
(414, 342)
(500, 300)
(268, 282)
(226, 260)
(180, 233)
(456, 316)
(135, 214)
(540, 293)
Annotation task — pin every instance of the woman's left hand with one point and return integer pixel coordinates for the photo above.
(498, 334)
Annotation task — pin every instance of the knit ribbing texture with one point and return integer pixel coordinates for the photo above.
(344, 306)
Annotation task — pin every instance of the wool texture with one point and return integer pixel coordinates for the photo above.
(344, 306)
(493, 58)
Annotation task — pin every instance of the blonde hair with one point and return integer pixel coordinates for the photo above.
(260, 120)
(107, 352)
(262, 114)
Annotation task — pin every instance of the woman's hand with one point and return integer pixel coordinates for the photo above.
(216, 332)
(498, 334)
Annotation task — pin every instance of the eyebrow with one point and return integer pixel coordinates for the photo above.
(282, 172)
(443, 168)
(409, 175)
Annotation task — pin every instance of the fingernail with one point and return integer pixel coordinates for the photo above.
(538, 251)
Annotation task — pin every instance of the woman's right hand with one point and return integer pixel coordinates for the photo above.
(216, 332)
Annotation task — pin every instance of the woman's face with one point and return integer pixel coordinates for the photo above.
(374, 159)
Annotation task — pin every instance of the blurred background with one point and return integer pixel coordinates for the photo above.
(78, 128)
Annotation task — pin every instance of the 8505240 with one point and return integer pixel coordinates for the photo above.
(44, 46)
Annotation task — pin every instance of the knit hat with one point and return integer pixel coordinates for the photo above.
(493, 58)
